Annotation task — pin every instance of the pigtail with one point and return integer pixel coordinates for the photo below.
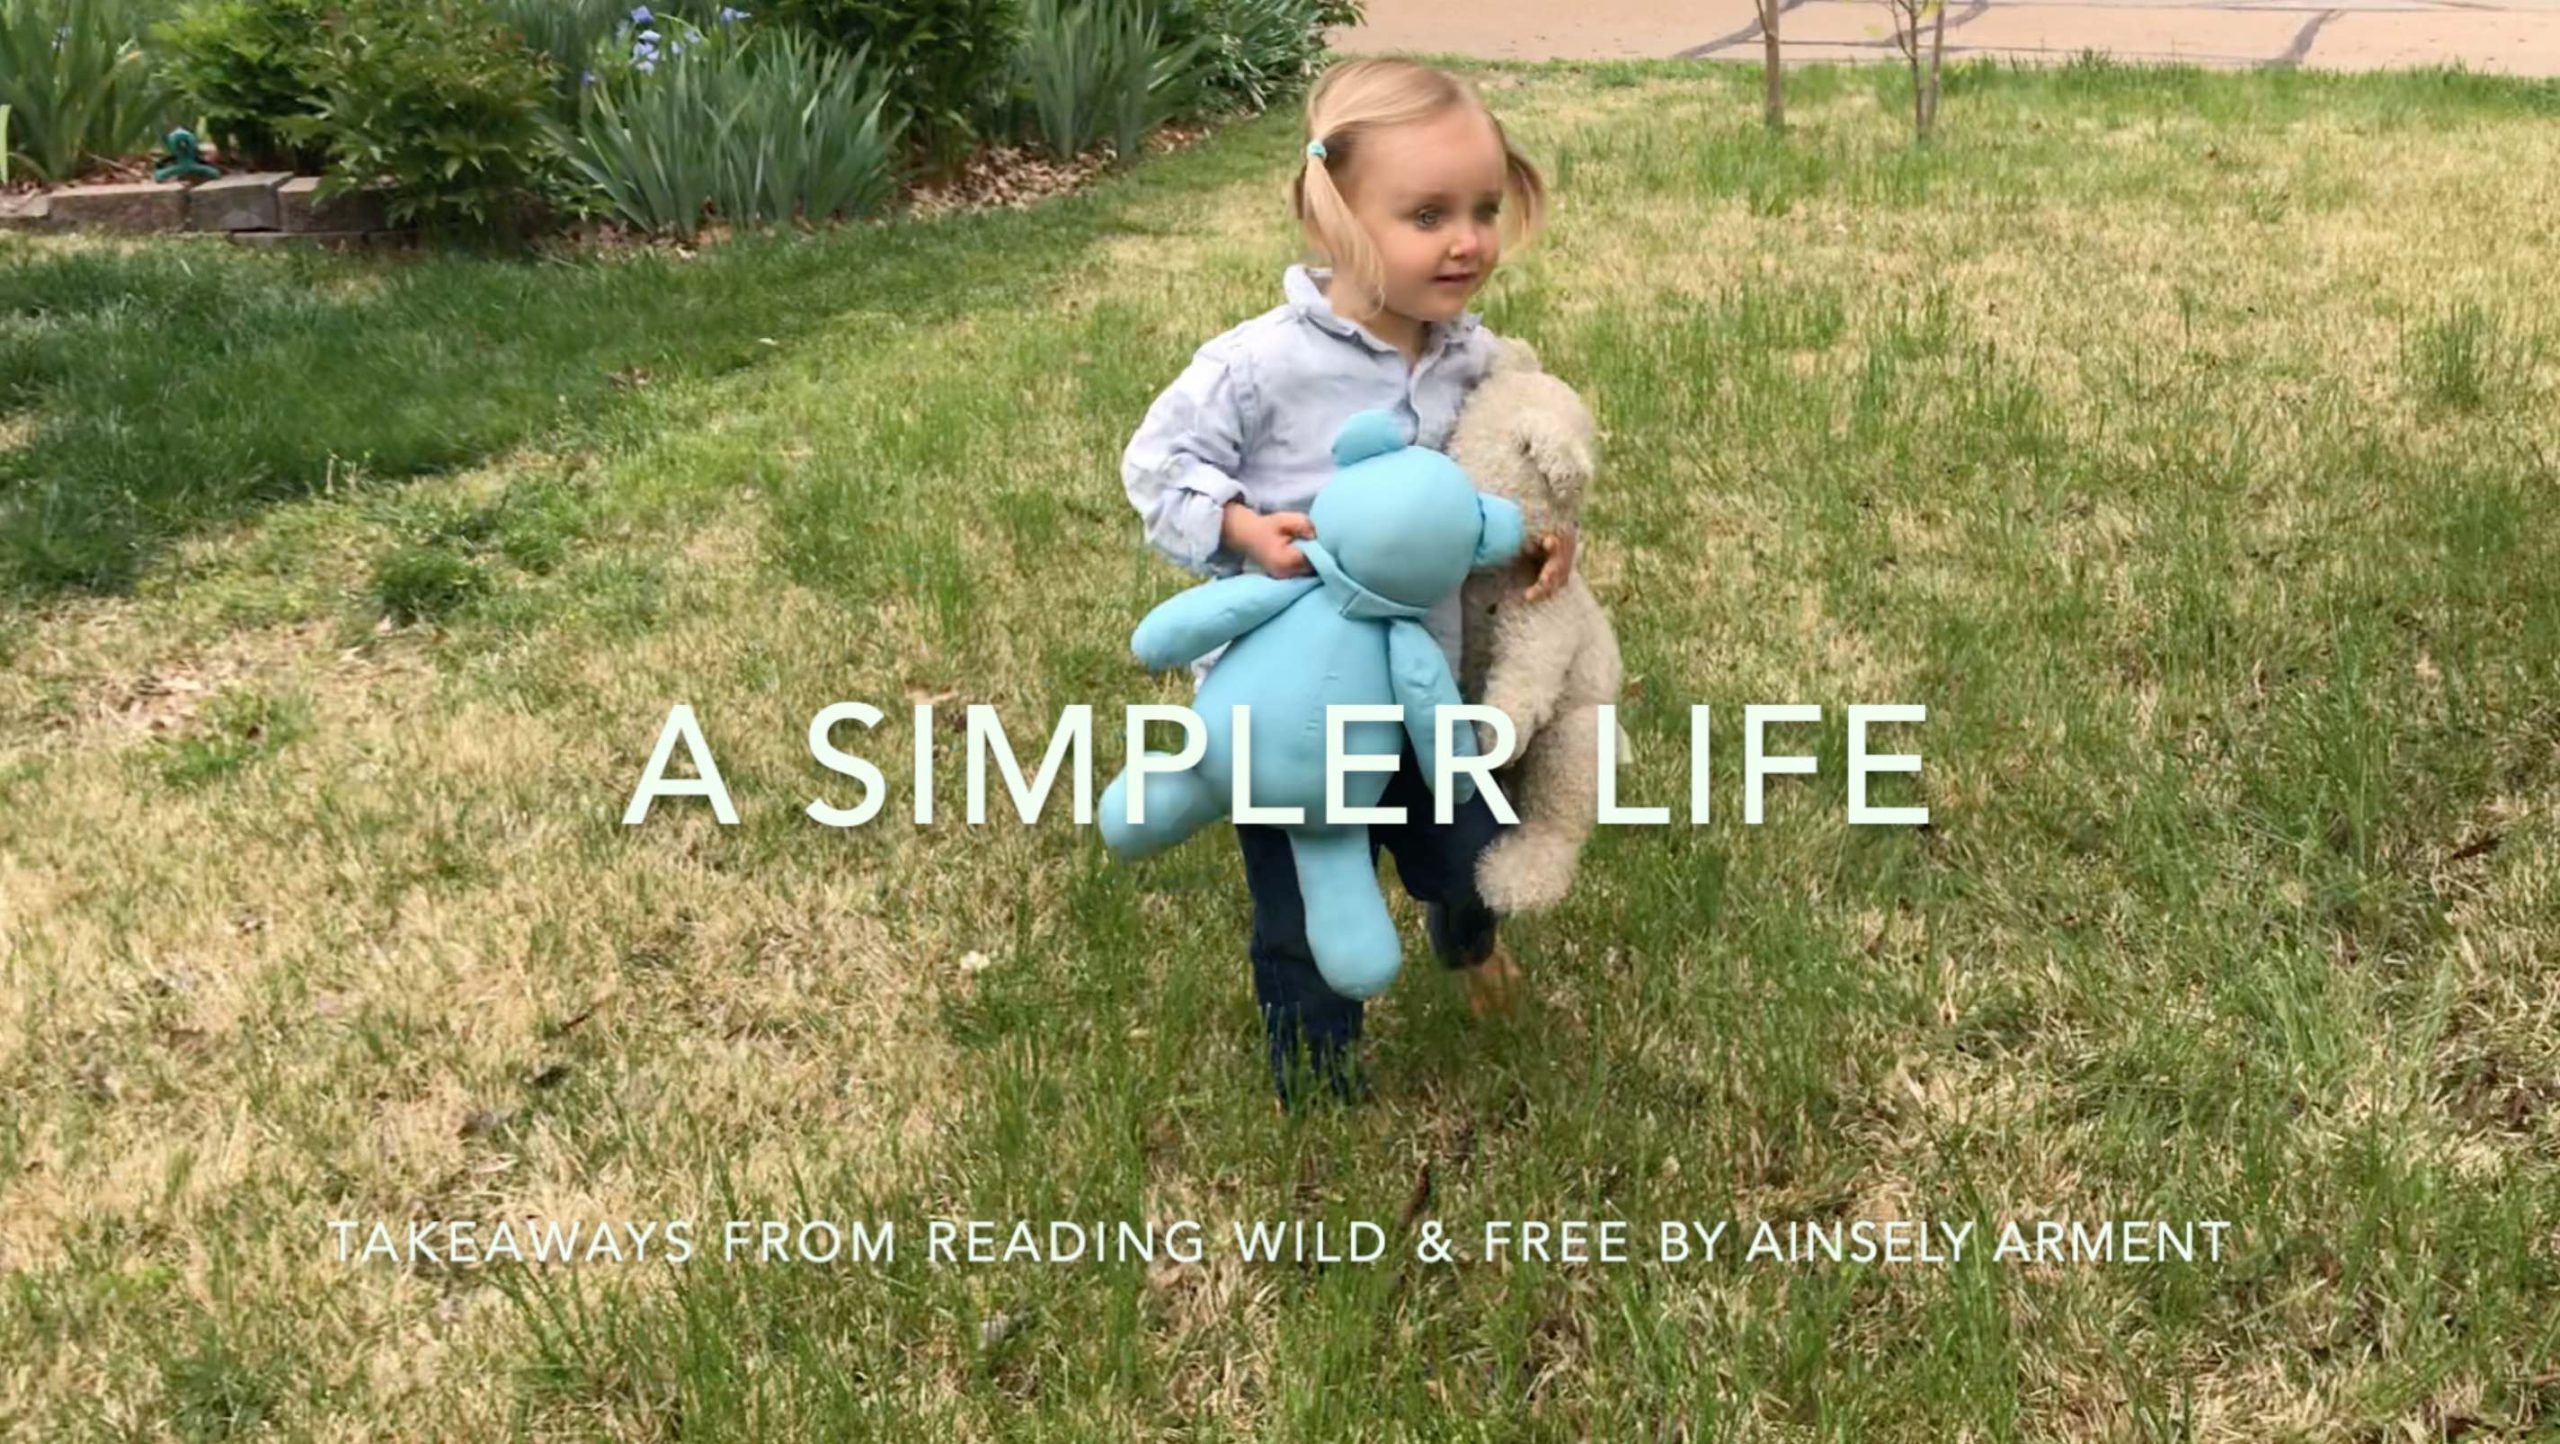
(1358, 291)
(1524, 195)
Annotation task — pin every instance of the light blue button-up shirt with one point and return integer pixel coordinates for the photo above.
(1253, 417)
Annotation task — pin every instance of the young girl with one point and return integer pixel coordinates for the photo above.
(1407, 194)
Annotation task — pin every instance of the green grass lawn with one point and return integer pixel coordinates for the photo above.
(2185, 442)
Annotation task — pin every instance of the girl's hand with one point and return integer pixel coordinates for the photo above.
(1553, 552)
(1271, 541)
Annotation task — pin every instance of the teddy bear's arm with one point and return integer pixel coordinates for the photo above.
(1523, 692)
(1503, 531)
(1419, 672)
(1532, 655)
(1197, 622)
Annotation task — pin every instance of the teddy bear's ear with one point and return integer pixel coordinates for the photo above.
(1371, 433)
(1562, 457)
(1511, 354)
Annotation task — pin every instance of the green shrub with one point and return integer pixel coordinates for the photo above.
(248, 69)
(947, 60)
(1254, 54)
(76, 83)
(567, 33)
(1102, 69)
(440, 107)
(760, 128)
(583, 39)
(436, 104)
(643, 39)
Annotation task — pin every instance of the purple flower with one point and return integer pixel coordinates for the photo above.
(586, 77)
(645, 65)
(730, 15)
(650, 37)
(641, 16)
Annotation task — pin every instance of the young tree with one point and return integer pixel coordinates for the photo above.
(1908, 17)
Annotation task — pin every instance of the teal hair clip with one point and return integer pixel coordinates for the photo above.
(1315, 150)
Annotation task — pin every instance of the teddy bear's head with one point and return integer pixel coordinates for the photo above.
(1525, 435)
(1404, 521)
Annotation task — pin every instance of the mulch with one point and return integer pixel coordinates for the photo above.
(1012, 177)
(104, 173)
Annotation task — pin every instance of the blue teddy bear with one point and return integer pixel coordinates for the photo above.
(1397, 529)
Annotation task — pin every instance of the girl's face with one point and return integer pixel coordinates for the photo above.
(1430, 194)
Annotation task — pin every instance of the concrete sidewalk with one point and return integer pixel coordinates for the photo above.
(2515, 37)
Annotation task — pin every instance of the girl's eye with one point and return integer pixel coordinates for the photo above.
(1427, 217)
(1488, 212)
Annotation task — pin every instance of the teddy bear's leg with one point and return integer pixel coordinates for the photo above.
(1532, 866)
(1348, 930)
(1178, 805)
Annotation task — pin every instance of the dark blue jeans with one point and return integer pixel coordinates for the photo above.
(1309, 1026)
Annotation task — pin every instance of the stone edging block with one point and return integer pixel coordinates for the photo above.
(237, 202)
(140, 208)
(299, 208)
(30, 212)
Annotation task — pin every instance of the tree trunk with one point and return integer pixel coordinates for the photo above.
(1937, 47)
(1919, 94)
(1773, 105)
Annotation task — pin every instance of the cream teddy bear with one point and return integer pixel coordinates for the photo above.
(1547, 664)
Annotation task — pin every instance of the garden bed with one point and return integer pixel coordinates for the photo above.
(508, 119)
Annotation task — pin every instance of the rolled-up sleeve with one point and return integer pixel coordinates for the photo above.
(1180, 468)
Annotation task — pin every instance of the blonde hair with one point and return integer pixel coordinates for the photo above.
(1357, 99)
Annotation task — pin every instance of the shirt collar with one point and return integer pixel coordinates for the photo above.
(1306, 293)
